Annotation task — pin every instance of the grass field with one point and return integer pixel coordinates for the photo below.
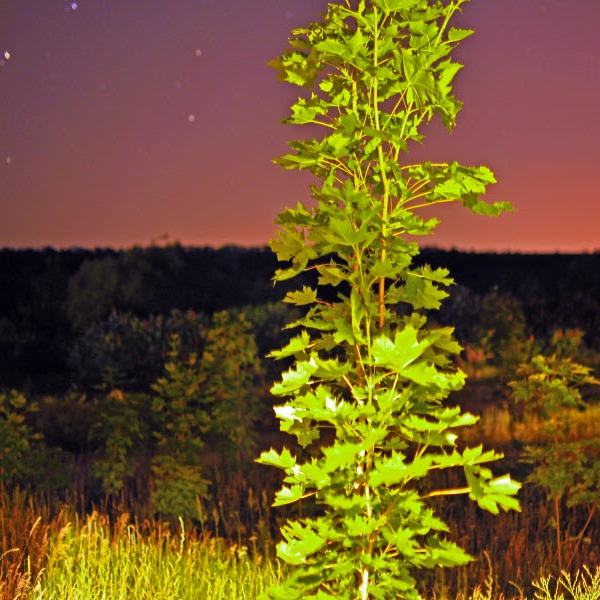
(69, 559)
(51, 551)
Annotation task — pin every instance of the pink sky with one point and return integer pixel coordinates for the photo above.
(130, 121)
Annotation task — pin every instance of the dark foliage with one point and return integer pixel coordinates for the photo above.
(49, 299)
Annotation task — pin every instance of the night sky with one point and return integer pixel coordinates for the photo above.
(129, 122)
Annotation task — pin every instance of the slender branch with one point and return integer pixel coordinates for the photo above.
(453, 492)
(434, 202)
(452, 9)
(386, 186)
(580, 536)
(558, 532)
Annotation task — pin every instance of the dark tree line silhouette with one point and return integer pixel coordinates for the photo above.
(49, 299)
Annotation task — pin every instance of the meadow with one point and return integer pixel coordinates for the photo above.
(53, 548)
(91, 558)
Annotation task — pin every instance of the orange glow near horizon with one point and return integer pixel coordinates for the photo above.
(126, 123)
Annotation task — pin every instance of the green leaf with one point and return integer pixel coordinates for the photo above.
(358, 313)
(455, 34)
(294, 379)
(304, 430)
(401, 352)
(283, 461)
(340, 456)
(443, 553)
(332, 46)
(305, 111)
(504, 485)
(300, 298)
(422, 293)
(348, 234)
(390, 472)
(390, 269)
(287, 495)
(301, 543)
(344, 332)
(422, 373)
(296, 346)
(331, 274)
(492, 495)
(331, 369)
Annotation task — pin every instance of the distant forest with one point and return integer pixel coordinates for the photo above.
(50, 300)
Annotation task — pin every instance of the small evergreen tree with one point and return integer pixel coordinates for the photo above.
(181, 412)
(568, 468)
(214, 395)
